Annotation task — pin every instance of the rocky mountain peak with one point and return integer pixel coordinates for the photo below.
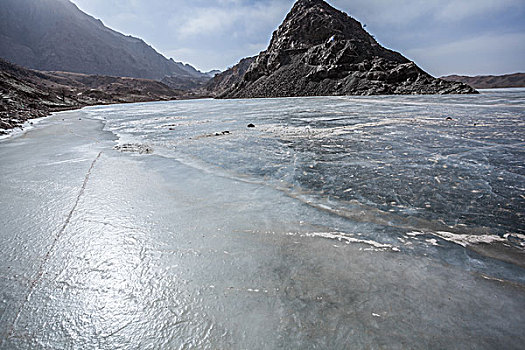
(314, 22)
(319, 50)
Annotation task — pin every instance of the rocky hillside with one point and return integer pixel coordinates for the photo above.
(56, 35)
(490, 81)
(27, 94)
(319, 50)
(229, 78)
(185, 83)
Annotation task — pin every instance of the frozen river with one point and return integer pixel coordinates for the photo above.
(380, 222)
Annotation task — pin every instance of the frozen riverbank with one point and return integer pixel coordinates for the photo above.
(106, 249)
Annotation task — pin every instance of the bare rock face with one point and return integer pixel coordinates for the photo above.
(318, 51)
(229, 78)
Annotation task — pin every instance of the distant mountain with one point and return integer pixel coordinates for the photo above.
(27, 94)
(490, 81)
(190, 83)
(229, 79)
(319, 50)
(56, 35)
(213, 73)
(184, 82)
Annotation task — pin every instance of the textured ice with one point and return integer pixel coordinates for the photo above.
(395, 154)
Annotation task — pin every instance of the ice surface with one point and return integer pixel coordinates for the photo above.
(322, 227)
(400, 156)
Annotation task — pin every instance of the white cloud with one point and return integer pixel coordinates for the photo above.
(403, 12)
(459, 10)
(245, 18)
(205, 22)
(387, 11)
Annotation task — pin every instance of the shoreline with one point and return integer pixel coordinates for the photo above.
(25, 127)
(6, 133)
(20, 129)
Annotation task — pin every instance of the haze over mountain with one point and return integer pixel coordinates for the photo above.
(490, 81)
(55, 35)
(319, 50)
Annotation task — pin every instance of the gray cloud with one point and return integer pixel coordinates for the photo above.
(472, 56)
(443, 36)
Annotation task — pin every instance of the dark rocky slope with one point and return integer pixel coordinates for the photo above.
(56, 35)
(319, 50)
(229, 78)
(27, 94)
(490, 81)
(185, 82)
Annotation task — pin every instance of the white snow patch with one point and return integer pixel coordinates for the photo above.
(432, 241)
(516, 236)
(460, 239)
(415, 234)
(464, 240)
(346, 239)
(492, 278)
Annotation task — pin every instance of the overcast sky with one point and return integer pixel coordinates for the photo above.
(442, 36)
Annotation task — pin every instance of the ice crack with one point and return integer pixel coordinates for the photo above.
(46, 257)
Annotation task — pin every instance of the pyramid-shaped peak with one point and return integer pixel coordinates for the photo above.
(319, 50)
(309, 2)
(312, 22)
(306, 5)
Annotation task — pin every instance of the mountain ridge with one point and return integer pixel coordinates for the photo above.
(57, 35)
(513, 80)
